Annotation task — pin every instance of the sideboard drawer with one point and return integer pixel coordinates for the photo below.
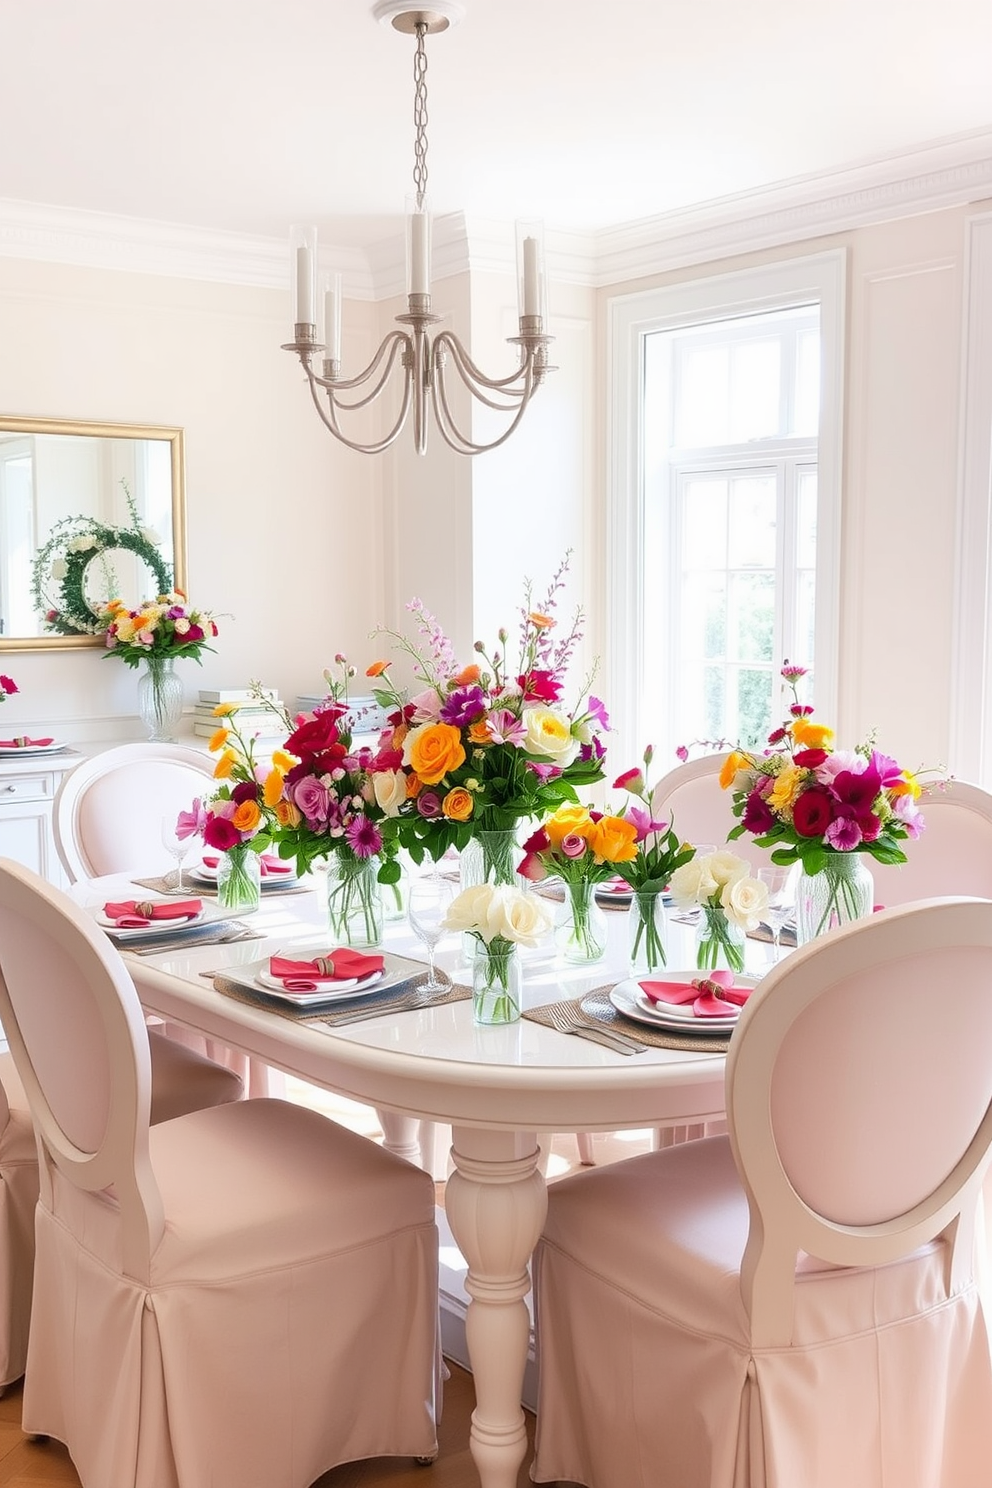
(27, 788)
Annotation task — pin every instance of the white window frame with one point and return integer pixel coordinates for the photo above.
(819, 277)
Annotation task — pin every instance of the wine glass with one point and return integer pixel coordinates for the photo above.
(781, 886)
(429, 901)
(178, 847)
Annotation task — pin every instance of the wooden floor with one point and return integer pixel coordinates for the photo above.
(26, 1464)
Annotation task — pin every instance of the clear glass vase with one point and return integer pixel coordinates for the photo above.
(160, 699)
(647, 933)
(580, 925)
(491, 857)
(354, 901)
(496, 981)
(842, 891)
(720, 942)
(239, 879)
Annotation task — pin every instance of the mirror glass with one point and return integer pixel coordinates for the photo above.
(51, 471)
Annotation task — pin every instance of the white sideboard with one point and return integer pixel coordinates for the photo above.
(27, 791)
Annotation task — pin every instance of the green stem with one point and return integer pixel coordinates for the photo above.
(644, 908)
(718, 936)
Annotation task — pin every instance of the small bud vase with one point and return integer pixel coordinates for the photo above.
(354, 903)
(720, 941)
(580, 925)
(841, 892)
(239, 879)
(160, 699)
(496, 981)
(647, 933)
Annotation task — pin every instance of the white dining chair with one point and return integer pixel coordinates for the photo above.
(795, 1302)
(107, 818)
(692, 799)
(244, 1296)
(952, 855)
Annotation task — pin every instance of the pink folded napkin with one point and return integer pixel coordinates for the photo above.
(342, 965)
(714, 996)
(131, 914)
(23, 742)
(615, 886)
(269, 866)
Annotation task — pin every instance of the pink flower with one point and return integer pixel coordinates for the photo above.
(189, 823)
(630, 780)
(8, 685)
(506, 728)
(426, 705)
(364, 837)
(219, 834)
(429, 804)
(311, 796)
(905, 809)
(843, 833)
(538, 686)
(532, 868)
(573, 846)
(644, 822)
(682, 753)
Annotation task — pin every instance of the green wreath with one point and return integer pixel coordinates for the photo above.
(59, 571)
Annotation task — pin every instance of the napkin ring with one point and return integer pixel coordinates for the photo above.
(714, 988)
(324, 965)
(145, 907)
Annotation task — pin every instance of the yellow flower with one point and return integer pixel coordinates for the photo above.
(223, 709)
(125, 628)
(613, 840)
(907, 785)
(812, 735)
(272, 789)
(786, 787)
(566, 822)
(735, 761)
(246, 816)
(225, 765)
(283, 761)
(458, 804)
(219, 739)
(478, 732)
(288, 814)
(434, 750)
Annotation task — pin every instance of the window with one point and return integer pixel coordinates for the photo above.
(724, 527)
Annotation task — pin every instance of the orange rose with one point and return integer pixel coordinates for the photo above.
(288, 814)
(568, 821)
(467, 675)
(458, 804)
(613, 840)
(478, 732)
(434, 750)
(246, 816)
(414, 785)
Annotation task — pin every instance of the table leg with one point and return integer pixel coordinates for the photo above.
(400, 1134)
(496, 1202)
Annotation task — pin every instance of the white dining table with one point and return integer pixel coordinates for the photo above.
(498, 1088)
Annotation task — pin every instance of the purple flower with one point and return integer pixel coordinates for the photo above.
(644, 822)
(843, 833)
(758, 816)
(364, 837)
(889, 772)
(857, 790)
(311, 796)
(597, 710)
(543, 772)
(429, 804)
(462, 706)
(593, 750)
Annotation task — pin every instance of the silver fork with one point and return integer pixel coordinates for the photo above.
(235, 931)
(569, 1020)
(405, 1004)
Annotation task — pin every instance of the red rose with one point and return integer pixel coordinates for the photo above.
(245, 790)
(315, 736)
(812, 813)
(220, 834)
(537, 842)
(808, 759)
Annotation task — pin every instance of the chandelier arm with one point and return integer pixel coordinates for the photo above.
(328, 417)
(474, 376)
(393, 343)
(449, 430)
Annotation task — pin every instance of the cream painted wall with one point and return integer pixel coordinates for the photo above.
(900, 488)
(281, 518)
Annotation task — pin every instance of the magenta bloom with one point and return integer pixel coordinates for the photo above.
(463, 706)
(538, 841)
(220, 834)
(758, 815)
(597, 710)
(889, 772)
(812, 813)
(857, 791)
(364, 837)
(312, 798)
(630, 780)
(189, 823)
(8, 684)
(682, 753)
(245, 790)
(429, 804)
(644, 822)
(843, 833)
(538, 686)
(544, 772)
(905, 809)
(594, 750)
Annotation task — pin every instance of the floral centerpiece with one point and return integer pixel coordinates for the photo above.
(824, 808)
(582, 848)
(731, 903)
(155, 635)
(658, 854)
(242, 818)
(499, 918)
(480, 748)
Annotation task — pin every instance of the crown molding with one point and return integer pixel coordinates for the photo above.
(950, 172)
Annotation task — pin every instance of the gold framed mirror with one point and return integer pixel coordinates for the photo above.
(111, 476)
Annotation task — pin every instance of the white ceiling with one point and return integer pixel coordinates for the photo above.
(247, 115)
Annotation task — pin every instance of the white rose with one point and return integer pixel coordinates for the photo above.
(725, 867)
(685, 882)
(745, 901)
(515, 916)
(390, 790)
(468, 909)
(549, 736)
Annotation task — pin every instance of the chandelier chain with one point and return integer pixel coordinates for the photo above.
(420, 116)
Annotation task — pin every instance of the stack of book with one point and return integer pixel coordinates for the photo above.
(365, 714)
(253, 717)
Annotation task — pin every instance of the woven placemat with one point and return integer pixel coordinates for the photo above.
(166, 884)
(242, 993)
(597, 1008)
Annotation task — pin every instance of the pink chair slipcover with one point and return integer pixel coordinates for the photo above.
(692, 799)
(18, 1197)
(953, 854)
(795, 1303)
(107, 818)
(242, 1297)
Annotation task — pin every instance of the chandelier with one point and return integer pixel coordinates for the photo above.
(421, 357)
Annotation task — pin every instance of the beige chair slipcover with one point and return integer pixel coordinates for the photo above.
(794, 1305)
(18, 1197)
(952, 855)
(107, 818)
(242, 1297)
